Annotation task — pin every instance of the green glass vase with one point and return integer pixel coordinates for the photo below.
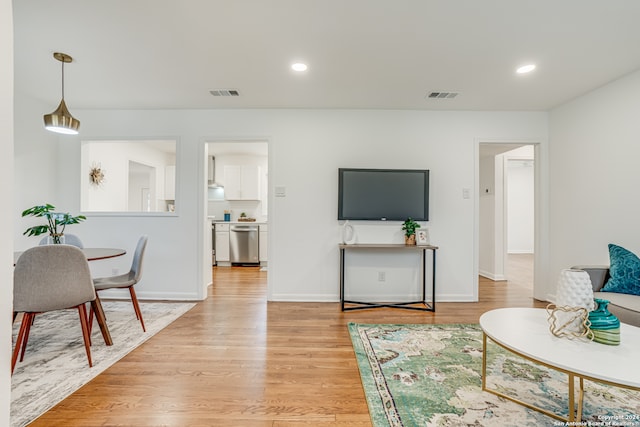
(604, 325)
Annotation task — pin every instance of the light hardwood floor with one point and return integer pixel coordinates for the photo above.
(236, 360)
(520, 269)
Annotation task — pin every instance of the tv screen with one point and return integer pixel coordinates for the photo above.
(383, 194)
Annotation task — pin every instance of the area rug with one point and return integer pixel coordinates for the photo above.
(430, 375)
(55, 363)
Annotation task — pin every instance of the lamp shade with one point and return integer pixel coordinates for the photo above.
(61, 120)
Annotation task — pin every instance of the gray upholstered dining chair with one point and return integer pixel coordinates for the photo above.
(49, 278)
(127, 280)
(69, 239)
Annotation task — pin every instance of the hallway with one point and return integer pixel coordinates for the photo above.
(520, 270)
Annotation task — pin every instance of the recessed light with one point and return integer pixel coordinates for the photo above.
(299, 66)
(526, 69)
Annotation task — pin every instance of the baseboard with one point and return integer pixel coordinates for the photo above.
(491, 276)
(151, 296)
(369, 298)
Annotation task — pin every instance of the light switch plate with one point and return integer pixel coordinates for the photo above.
(280, 191)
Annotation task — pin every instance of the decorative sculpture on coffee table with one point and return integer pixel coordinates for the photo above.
(569, 316)
(569, 322)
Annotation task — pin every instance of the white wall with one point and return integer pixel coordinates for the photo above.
(7, 213)
(306, 148)
(36, 164)
(519, 169)
(594, 176)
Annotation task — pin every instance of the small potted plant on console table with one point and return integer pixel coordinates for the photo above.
(409, 226)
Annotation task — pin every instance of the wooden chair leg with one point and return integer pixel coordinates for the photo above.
(31, 317)
(91, 314)
(136, 307)
(84, 322)
(16, 350)
(99, 313)
(84, 307)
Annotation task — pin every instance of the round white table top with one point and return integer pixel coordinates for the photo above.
(526, 331)
(92, 254)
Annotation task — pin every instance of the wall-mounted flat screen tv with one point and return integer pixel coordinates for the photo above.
(383, 194)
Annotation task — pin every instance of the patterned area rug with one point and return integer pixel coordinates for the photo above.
(55, 363)
(430, 375)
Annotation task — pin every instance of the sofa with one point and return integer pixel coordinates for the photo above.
(625, 307)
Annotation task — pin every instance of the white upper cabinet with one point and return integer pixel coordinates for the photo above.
(241, 182)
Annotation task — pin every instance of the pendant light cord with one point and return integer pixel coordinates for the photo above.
(62, 78)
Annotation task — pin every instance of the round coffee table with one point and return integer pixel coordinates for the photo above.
(525, 332)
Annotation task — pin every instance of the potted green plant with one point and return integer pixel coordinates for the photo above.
(56, 222)
(409, 226)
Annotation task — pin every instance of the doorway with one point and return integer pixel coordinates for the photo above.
(507, 177)
(237, 199)
(237, 176)
(520, 190)
(141, 188)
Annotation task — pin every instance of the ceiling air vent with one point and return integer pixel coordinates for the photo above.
(224, 92)
(441, 95)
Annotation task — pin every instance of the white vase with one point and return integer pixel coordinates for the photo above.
(55, 240)
(574, 291)
(348, 234)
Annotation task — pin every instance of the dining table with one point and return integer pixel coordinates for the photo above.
(93, 254)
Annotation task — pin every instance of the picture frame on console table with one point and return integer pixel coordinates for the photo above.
(422, 237)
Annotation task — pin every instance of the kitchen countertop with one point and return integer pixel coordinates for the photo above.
(239, 222)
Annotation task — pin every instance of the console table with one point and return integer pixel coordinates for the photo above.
(393, 247)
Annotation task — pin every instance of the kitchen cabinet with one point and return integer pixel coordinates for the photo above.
(262, 243)
(170, 182)
(222, 242)
(241, 182)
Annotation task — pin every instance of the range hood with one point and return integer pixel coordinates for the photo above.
(211, 178)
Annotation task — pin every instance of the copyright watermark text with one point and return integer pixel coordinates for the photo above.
(630, 420)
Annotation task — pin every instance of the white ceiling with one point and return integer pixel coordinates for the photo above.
(157, 54)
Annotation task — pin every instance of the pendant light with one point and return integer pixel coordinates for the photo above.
(61, 120)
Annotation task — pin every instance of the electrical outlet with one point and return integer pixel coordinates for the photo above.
(382, 276)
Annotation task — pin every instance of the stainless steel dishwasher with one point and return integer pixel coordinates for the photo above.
(243, 244)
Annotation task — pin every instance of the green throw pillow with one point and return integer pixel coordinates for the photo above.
(624, 272)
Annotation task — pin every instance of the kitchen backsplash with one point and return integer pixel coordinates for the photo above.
(252, 208)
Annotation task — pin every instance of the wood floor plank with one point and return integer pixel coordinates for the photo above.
(236, 360)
